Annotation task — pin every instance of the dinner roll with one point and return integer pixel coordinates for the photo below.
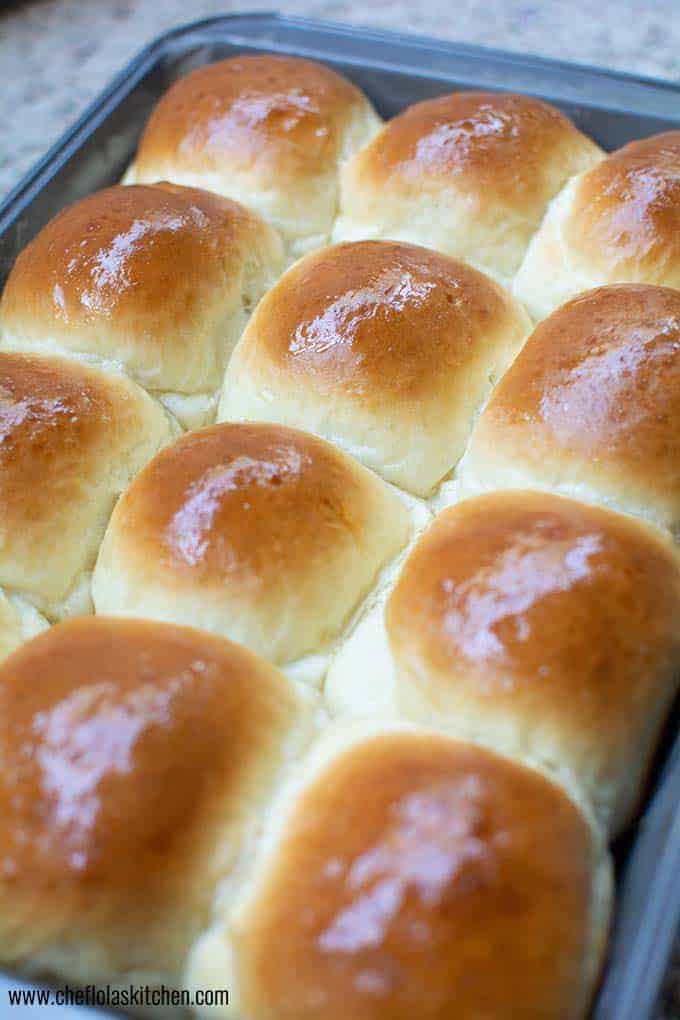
(543, 625)
(269, 131)
(159, 280)
(591, 406)
(405, 875)
(262, 533)
(618, 222)
(72, 437)
(385, 348)
(469, 174)
(136, 760)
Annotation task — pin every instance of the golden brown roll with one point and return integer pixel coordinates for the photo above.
(591, 406)
(618, 222)
(72, 437)
(542, 625)
(385, 348)
(136, 760)
(262, 533)
(269, 131)
(469, 174)
(157, 280)
(405, 875)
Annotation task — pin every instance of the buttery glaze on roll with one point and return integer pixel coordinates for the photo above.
(269, 131)
(469, 173)
(72, 438)
(591, 406)
(159, 280)
(385, 348)
(544, 626)
(616, 223)
(403, 867)
(262, 533)
(136, 759)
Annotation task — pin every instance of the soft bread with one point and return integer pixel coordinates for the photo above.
(591, 406)
(469, 174)
(159, 280)
(618, 222)
(386, 348)
(408, 875)
(269, 131)
(19, 621)
(136, 758)
(262, 533)
(492, 685)
(72, 437)
(541, 625)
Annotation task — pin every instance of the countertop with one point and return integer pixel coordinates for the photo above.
(55, 55)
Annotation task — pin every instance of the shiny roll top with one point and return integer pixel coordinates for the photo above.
(135, 757)
(386, 348)
(269, 131)
(71, 439)
(142, 840)
(414, 876)
(616, 223)
(262, 533)
(469, 174)
(541, 625)
(591, 406)
(159, 280)
(163, 818)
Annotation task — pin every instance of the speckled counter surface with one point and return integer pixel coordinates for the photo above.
(55, 56)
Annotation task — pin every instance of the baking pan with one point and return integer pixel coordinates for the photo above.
(395, 71)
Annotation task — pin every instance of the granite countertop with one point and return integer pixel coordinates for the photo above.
(56, 55)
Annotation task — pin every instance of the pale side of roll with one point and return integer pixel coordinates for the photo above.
(618, 222)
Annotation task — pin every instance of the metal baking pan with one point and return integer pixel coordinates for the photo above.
(395, 71)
